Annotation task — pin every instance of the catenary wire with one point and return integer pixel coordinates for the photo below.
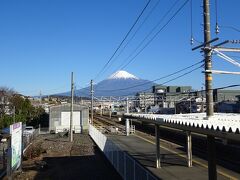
(125, 37)
(172, 79)
(190, 92)
(147, 36)
(155, 35)
(134, 34)
(163, 77)
(230, 27)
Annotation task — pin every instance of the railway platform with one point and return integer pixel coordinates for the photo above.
(173, 164)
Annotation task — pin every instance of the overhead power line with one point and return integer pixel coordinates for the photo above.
(106, 64)
(182, 93)
(179, 76)
(184, 74)
(146, 37)
(163, 77)
(155, 35)
(53, 91)
(166, 76)
(134, 34)
(199, 91)
(231, 27)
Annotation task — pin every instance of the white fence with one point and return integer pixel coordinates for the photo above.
(125, 165)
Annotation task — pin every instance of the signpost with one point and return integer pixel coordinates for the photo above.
(15, 148)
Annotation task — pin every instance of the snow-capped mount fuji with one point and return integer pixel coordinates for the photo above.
(120, 83)
(122, 75)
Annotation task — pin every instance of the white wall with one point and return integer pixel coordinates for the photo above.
(65, 118)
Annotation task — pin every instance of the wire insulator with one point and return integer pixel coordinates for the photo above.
(192, 41)
(191, 15)
(217, 28)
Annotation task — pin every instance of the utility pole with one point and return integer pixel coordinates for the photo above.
(127, 106)
(81, 101)
(145, 109)
(110, 108)
(175, 105)
(212, 171)
(40, 94)
(14, 114)
(190, 105)
(91, 101)
(202, 110)
(71, 112)
(101, 112)
(208, 60)
(74, 95)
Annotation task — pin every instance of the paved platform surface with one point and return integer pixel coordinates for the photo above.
(173, 166)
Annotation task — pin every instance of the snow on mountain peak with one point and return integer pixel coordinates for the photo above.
(122, 75)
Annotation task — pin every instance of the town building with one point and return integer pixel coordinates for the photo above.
(166, 96)
(144, 100)
(226, 95)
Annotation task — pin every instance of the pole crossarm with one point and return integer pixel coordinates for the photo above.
(205, 43)
(225, 57)
(225, 49)
(221, 72)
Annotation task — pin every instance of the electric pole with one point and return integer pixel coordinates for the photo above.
(202, 110)
(110, 108)
(91, 101)
(127, 106)
(145, 109)
(208, 60)
(71, 112)
(40, 95)
(14, 114)
(212, 171)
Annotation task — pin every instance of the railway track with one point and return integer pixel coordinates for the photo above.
(227, 155)
(108, 125)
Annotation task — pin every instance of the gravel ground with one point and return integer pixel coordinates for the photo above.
(60, 159)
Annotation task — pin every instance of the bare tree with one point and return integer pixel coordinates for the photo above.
(5, 95)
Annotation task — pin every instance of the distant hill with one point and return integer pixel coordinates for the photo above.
(120, 83)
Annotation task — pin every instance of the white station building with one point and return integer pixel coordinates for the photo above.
(59, 118)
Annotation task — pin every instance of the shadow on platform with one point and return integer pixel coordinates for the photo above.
(75, 167)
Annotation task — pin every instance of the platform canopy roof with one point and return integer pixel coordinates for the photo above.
(224, 125)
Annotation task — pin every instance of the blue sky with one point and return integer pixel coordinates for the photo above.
(43, 41)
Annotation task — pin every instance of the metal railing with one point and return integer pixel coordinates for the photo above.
(125, 165)
(3, 158)
(132, 129)
(28, 139)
